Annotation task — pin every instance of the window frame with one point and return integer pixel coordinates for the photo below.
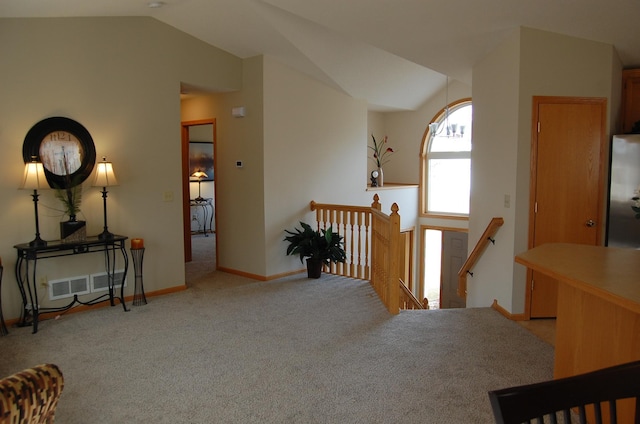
(424, 160)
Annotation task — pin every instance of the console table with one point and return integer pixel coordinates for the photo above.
(26, 266)
(598, 320)
(206, 205)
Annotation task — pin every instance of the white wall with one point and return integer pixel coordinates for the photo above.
(120, 78)
(313, 150)
(494, 167)
(406, 131)
(531, 63)
(333, 130)
(239, 191)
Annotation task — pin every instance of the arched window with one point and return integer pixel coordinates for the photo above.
(446, 164)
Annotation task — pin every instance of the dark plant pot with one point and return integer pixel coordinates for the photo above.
(314, 268)
(72, 231)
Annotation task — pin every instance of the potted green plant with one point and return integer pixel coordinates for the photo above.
(319, 247)
(72, 229)
(70, 195)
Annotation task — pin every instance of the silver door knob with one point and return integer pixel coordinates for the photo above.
(590, 223)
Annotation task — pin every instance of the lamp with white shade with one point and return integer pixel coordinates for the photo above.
(35, 179)
(105, 177)
(199, 175)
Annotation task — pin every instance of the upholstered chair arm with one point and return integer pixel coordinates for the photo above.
(31, 396)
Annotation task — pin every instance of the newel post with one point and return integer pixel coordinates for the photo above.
(376, 202)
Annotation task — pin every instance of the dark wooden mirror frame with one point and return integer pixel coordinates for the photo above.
(36, 135)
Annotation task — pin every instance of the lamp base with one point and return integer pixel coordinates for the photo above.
(105, 235)
(37, 242)
(199, 199)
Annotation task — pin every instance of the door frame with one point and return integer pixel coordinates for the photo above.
(186, 192)
(536, 101)
(407, 238)
(422, 253)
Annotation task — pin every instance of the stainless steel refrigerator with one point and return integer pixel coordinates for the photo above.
(623, 227)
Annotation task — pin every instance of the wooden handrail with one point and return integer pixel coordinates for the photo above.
(354, 224)
(385, 256)
(408, 299)
(486, 237)
(371, 243)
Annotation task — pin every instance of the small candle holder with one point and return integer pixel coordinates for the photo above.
(137, 254)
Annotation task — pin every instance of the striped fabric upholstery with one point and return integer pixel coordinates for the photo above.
(31, 396)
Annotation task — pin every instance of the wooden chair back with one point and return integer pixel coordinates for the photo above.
(609, 395)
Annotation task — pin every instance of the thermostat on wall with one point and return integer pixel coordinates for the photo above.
(239, 164)
(238, 112)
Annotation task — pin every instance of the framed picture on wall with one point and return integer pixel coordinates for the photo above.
(201, 158)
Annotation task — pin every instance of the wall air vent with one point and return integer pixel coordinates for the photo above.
(67, 287)
(100, 282)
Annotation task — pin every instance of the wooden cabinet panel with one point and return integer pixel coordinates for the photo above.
(598, 322)
(630, 98)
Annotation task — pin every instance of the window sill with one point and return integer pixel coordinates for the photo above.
(457, 217)
(391, 186)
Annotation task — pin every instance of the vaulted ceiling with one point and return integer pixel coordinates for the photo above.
(393, 53)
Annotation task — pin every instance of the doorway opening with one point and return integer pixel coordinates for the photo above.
(444, 253)
(432, 266)
(199, 183)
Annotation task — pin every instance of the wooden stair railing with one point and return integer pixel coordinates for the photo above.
(371, 243)
(385, 257)
(486, 237)
(354, 224)
(408, 299)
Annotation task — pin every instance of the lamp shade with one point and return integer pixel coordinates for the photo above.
(105, 177)
(199, 174)
(34, 177)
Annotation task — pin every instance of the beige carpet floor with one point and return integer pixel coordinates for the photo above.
(234, 350)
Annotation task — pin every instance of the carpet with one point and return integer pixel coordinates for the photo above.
(233, 350)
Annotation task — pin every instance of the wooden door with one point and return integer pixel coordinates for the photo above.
(630, 99)
(568, 157)
(454, 254)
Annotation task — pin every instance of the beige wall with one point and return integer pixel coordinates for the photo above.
(312, 147)
(239, 191)
(531, 63)
(313, 151)
(406, 131)
(300, 140)
(120, 78)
